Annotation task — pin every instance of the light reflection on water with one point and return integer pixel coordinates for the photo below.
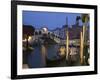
(37, 58)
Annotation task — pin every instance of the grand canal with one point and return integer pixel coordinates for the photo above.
(39, 56)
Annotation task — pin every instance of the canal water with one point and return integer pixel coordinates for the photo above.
(38, 57)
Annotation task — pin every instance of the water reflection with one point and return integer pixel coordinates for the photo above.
(51, 56)
(37, 58)
(43, 54)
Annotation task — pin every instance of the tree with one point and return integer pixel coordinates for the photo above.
(28, 30)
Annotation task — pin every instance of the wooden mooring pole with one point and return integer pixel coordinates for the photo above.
(81, 48)
(67, 45)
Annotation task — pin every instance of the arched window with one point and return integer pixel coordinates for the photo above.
(36, 33)
(40, 32)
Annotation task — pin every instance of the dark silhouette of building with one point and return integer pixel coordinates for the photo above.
(28, 30)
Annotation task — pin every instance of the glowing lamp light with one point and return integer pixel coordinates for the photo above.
(29, 38)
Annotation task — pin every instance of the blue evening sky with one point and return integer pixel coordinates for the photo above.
(51, 20)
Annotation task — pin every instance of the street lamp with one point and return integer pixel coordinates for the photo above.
(29, 38)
